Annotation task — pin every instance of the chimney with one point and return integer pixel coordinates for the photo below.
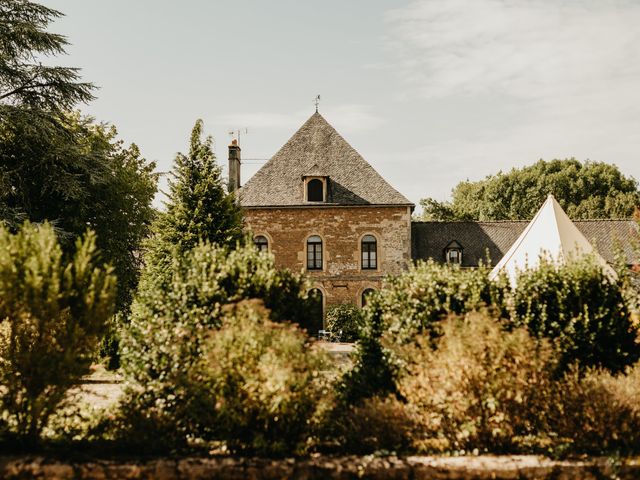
(234, 166)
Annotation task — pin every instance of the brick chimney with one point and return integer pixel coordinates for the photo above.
(234, 166)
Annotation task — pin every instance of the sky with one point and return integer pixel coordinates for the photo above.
(430, 92)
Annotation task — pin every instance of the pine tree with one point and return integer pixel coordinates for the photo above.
(199, 209)
(24, 41)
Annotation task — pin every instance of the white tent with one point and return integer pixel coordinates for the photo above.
(551, 234)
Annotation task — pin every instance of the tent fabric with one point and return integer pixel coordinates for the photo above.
(550, 234)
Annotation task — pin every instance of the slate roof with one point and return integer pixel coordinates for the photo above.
(429, 239)
(317, 149)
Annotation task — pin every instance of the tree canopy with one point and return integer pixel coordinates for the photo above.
(24, 41)
(59, 166)
(586, 190)
(77, 175)
(199, 209)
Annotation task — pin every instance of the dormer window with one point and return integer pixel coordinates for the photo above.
(315, 189)
(453, 253)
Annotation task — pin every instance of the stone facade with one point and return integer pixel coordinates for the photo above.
(342, 278)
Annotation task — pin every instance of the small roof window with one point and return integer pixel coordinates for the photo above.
(453, 253)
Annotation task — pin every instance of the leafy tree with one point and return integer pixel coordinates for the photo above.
(53, 313)
(584, 190)
(75, 174)
(62, 167)
(24, 80)
(198, 209)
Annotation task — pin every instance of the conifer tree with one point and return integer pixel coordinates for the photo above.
(199, 209)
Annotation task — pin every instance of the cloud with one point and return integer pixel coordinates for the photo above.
(528, 49)
(548, 79)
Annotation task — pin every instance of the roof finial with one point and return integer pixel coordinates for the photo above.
(316, 101)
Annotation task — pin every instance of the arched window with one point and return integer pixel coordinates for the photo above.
(369, 249)
(314, 253)
(315, 190)
(365, 294)
(261, 243)
(453, 253)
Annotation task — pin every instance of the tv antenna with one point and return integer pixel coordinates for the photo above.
(237, 133)
(316, 102)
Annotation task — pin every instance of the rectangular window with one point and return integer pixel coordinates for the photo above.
(314, 256)
(369, 257)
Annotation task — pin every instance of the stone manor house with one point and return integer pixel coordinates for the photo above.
(319, 207)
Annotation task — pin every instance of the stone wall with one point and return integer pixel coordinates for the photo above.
(341, 229)
(323, 468)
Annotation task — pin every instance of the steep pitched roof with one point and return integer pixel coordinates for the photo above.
(480, 240)
(318, 149)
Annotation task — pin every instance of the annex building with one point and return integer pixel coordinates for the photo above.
(320, 208)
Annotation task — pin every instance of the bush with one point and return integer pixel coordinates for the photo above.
(374, 424)
(411, 304)
(584, 314)
(481, 388)
(581, 310)
(257, 386)
(165, 340)
(266, 382)
(168, 326)
(415, 302)
(344, 322)
(53, 313)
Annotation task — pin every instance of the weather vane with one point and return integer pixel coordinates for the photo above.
(316, 102)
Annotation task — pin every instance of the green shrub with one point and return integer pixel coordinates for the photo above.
(165, 339)
(257, 386)
(53, 313)
(168, 326)
(581, 310)
(344, 322)
(266, 382)
(585, 315)
(481, 388)
(415, 302)
(411, 304)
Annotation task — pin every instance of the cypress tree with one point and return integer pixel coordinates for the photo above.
(198, 209)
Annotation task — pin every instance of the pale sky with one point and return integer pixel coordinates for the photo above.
(429, 92)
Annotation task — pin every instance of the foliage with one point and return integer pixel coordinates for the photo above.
(584, 190)
(344, 322)
(24, 41)
(584, 313)
(254, 384)
(266, 381)
(579, 308)
(481, 388)
(53, 314)
(168, 328)
(598, 413)
(376, 424)
(198, 209)
(75, 174)
(410, 304)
